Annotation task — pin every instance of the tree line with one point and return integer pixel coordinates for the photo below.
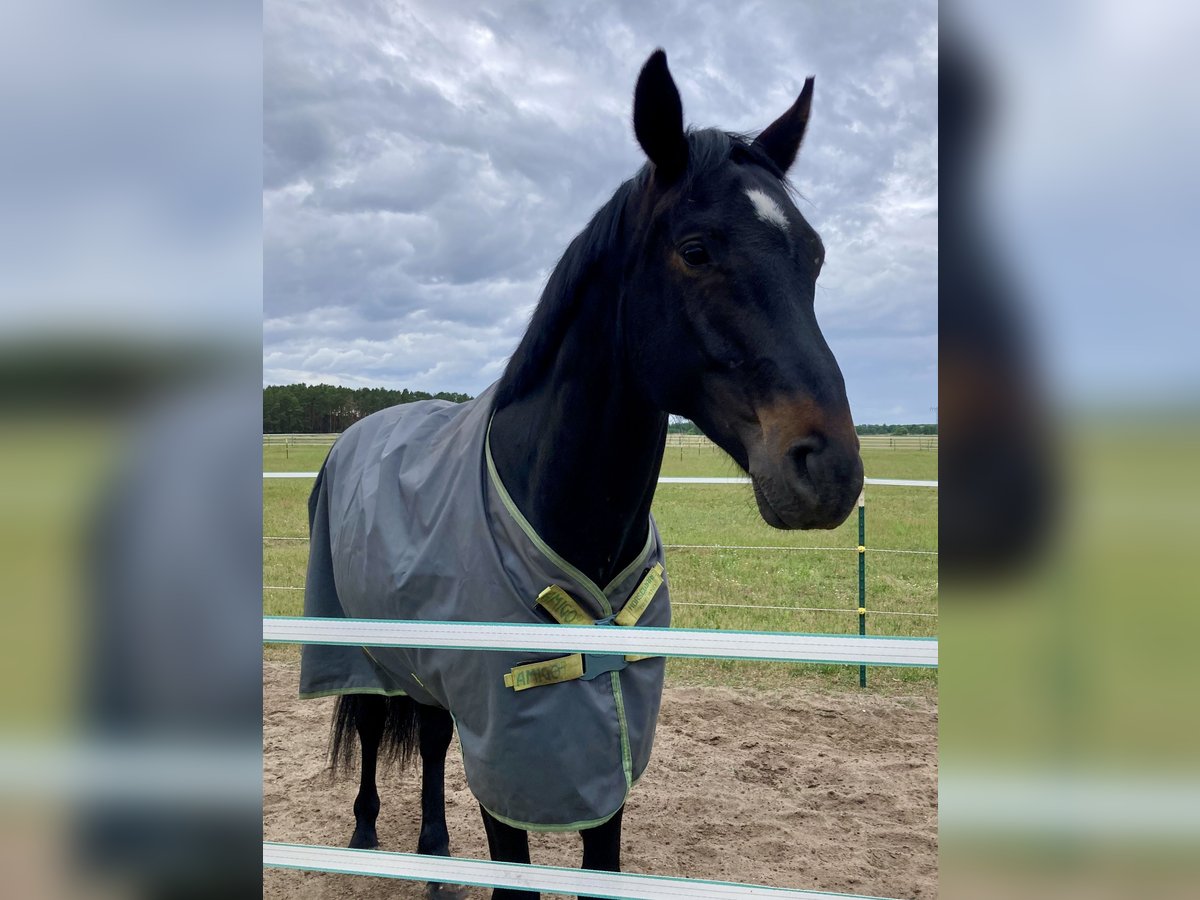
(325, 408)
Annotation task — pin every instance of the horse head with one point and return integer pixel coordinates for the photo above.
(726, 265)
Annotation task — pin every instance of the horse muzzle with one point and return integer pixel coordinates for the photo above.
(805, 466)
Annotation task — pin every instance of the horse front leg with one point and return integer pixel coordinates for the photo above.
(602, 846)
(507, 844)
(436, 729)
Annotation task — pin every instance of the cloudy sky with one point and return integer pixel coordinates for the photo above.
(426, 163)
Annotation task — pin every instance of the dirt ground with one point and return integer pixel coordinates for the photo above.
(823, 791)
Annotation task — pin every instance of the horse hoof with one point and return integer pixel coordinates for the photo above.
(363, 840)
(445, 892)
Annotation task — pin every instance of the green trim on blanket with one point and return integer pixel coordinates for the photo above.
(530, 826)
(590, 586)
(638, 562)
(626, 755)
(601, 597)
(335, 692)
(573, 826)
(342, 691)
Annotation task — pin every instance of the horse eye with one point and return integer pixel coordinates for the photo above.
(694, 254)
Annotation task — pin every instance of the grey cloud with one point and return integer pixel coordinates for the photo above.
(295, 144)
(400, 180)
(424, 167)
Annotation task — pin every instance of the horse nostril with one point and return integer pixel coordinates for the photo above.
(799, 452)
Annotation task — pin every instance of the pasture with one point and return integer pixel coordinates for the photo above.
(782, 584)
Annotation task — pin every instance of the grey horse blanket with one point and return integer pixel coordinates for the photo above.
(409, 520)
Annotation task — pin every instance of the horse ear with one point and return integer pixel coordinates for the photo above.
(658, 116)
(781, 139)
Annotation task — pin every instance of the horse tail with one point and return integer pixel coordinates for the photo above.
(393, 719)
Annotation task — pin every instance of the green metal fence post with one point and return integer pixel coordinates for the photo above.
(862, 577)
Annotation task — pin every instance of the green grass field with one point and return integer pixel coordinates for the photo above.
(748, 589)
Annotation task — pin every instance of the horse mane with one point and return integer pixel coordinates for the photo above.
(708, 149)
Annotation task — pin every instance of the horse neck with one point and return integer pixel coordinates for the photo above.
(580, 451)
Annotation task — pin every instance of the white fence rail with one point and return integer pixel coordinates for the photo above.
(673, 479)
(850, 649)
(683, 642)
(484, 873)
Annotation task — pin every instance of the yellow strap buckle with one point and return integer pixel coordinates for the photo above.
(563, 607)
(548, 671)
(566, 611)
(641, 597)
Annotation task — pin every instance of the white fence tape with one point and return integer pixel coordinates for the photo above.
(672, 479)
(686, 642)
(552, 879)
(895, 482)
(213, 773)
(1040, 804)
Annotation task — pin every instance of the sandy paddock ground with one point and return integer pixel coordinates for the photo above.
(824, 791)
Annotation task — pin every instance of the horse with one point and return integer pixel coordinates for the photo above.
(690, 292)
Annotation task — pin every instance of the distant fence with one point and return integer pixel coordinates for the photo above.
(689, 440)
(677, 441)
(699, 442)
(898, 441)
(293, 440)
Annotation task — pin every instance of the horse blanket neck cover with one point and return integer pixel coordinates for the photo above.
(409, 520)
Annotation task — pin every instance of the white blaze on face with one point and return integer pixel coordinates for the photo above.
(767, 209)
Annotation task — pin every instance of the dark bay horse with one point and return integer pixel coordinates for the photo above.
(690, 292)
